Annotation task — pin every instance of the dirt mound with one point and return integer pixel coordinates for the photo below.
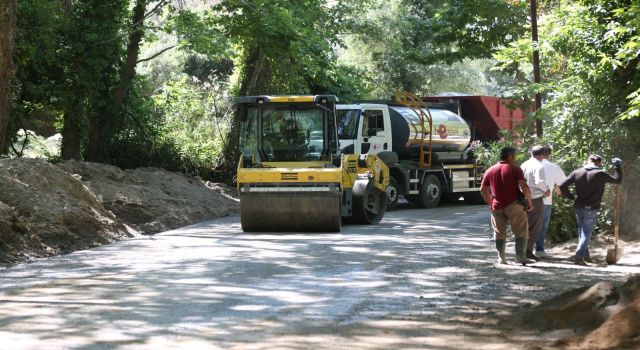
(150, 199)
(601, 316)
(48, 209)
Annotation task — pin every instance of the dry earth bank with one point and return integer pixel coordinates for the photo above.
(48, 209)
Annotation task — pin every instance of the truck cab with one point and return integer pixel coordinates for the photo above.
(364, 128)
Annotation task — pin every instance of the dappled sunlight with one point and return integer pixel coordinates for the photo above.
(250, 307)
(410, 283)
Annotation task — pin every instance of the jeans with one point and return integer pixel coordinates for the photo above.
(586, 221)
(543, 230)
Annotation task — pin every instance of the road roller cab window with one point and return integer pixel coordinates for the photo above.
(292, 134)
(249, 133)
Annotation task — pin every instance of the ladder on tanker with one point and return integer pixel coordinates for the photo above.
(418, 106)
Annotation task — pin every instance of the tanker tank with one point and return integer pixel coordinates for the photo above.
(451, 134)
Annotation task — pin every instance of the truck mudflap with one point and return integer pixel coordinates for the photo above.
(290, 208)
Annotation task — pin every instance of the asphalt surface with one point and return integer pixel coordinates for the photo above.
(421, 279)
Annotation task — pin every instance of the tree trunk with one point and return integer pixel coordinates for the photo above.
(72, 128)
(102, 129)
(70, 139)
(7, 42)
(252, 84)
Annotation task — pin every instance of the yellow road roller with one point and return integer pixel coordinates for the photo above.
(291, 175)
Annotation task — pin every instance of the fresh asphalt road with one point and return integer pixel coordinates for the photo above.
(420, 279)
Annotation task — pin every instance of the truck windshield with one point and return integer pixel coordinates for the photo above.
(348, 123)
(293, 134)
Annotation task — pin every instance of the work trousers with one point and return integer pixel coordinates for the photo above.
(535, 217)
(513, 215)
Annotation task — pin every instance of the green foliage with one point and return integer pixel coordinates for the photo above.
(562, 225)
(32, 145)
(197, 32)
(196, 120)
(67, 57)
(182, 127)
(431, 47)
(489, 154)
(70, 54)
(625, 34)
(587, 75)
(449, 31)
(286, 47)
(40, 74)
(584, 90)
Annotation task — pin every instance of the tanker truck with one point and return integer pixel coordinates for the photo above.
(426, 149)
(291, 175)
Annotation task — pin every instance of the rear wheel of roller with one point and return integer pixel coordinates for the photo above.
(369, 203)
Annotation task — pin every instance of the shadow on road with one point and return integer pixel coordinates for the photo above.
(420, 279)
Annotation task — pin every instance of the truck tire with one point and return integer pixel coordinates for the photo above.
(430, 192)
(392, 194)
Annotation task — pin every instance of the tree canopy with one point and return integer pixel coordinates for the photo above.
(142, 82)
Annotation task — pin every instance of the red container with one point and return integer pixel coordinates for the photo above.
(486, 115)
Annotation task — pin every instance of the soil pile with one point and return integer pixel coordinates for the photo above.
(601, 316)
(153, 200)
(48, 209)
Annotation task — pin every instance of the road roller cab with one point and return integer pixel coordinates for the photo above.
(291, 175)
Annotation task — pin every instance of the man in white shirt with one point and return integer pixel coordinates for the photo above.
(553, 177)
(534, 175)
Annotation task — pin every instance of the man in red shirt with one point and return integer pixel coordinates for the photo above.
(501, 188)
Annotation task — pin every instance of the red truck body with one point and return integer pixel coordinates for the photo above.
(486, 115)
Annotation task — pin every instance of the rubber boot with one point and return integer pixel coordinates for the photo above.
(529, 254)
(521, 246)
(500, 247)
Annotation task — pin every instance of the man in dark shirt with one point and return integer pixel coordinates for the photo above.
(501, 185)
(589, 184)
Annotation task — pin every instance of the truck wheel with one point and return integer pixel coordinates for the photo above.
(430, 192)
(392, 194)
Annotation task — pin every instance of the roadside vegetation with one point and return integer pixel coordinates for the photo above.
(138, 83)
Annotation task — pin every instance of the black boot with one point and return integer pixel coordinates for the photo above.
(529, 255)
